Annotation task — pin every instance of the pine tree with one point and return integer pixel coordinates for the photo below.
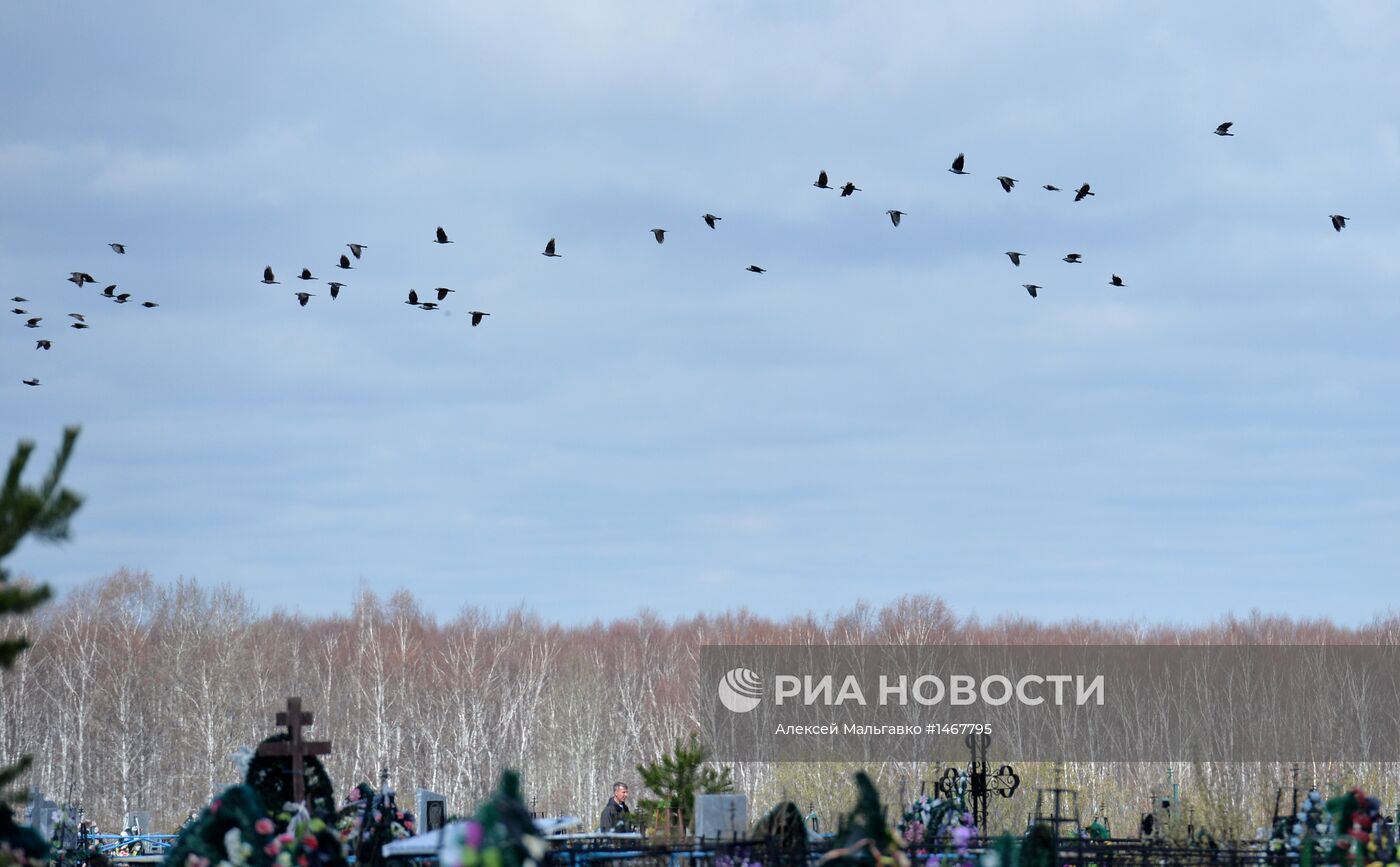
(678, 777)
(43, 512)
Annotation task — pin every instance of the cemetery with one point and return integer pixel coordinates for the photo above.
(284, 808)
(286, 813)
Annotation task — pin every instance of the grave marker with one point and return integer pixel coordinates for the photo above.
(294, 718)
(431, 809)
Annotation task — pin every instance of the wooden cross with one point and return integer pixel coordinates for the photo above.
(294, 718)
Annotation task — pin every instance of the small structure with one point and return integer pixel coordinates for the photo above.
(431, 809)
(1058, 807)
(721, 816)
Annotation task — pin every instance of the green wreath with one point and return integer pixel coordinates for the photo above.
(271, 778)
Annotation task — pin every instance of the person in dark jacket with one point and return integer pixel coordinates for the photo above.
(616, 814)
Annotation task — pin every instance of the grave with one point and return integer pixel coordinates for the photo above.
(721, 816)
(431, 810)
(295, 747)
(43, 815)
(136, 823)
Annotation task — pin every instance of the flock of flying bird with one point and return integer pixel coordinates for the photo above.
(958, 167)
(79, 279)
(357, 250)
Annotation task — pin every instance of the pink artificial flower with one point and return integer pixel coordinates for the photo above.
(264, 826)
(309, 841)
(271, 849)
(217, 803)
(285, 838)
(474, 835)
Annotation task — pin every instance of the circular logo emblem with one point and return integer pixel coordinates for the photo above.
(740, 690)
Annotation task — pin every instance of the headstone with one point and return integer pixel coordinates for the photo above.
(43, 815)
(431, 810)
(138, 822)
(721, 816)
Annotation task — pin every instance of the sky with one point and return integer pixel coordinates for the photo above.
(884, 411)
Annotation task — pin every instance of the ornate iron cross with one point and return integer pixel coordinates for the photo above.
(975, 783)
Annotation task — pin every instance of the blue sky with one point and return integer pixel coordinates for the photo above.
(884, 412)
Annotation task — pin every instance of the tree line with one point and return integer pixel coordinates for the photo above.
(136, 694)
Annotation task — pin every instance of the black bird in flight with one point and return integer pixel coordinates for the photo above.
(19, 312)
(107, 292)
(442, 292)
(441, 237)
(476, 317)
(549, 250)
(149, 305)
(80, 325)
(958, 164)
(122, 297)
(1074, 258)
(1339, 222)
(756, 269)
(412, 297)
(120, 249)
(1006, 183)
(335, 289)
(33, 323)
(1051, 187)
(43, 344)
(19, 300)
(711, 219)
(1082, 192)
(305, 274)
(1115, 280)
(849, 188)
(77, 316)
(1032, 288)
(1224, 128)
(1015, 257)
(34, 381)
(894, 216)
(428, 305)
(344, 262)
(660, 235)
(78, 278)
(268, 278)
(821, 183)
(303, 297)
(356, 249)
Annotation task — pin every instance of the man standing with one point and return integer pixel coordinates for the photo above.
(616, 815)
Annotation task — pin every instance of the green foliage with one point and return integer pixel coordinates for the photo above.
(501, 834)
(271, 777)
(678, 777)
(21, 840)
(235, 829)
(207, 837)
(784, 834)
(1039, 847)
(42, 512)
(864, 837)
